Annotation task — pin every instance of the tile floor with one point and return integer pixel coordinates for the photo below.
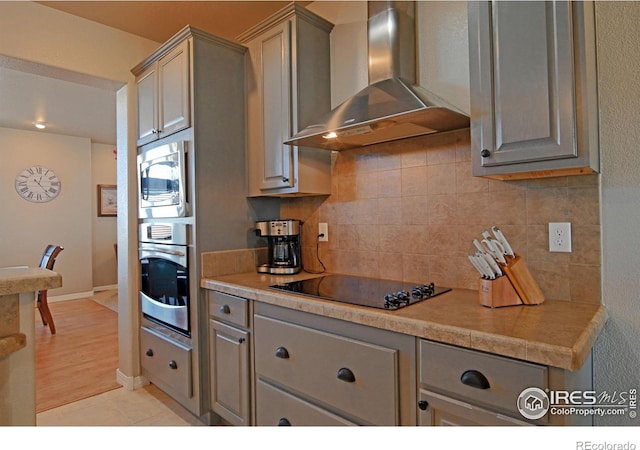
(147, 406)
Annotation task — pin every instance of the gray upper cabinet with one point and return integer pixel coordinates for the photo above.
(533, 89)
(288, 85)
(163, 95)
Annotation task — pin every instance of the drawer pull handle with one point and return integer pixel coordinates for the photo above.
(475, 379)
(224, 309)
(284, 422)
(282, 352)
(149, 352)
(173, 364)
(347, 375)
(423, 405)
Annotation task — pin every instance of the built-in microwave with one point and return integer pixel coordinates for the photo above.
(162, 184)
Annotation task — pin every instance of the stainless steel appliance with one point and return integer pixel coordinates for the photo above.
(283, 237)
(363, 291)
(392, 106)
(162, 183)
(164, 275)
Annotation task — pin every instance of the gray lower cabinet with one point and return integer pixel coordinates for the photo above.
(440, 410)
(167, 363)
(281, 408)
(229, 363)
(458, 386)
(533, 89)
(312, 370)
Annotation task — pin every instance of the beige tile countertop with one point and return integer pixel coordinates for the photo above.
(14, 280)
(554, 333)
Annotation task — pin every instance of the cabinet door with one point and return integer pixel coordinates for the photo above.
(147, 88)
(173, 87)
(523, 104)
(229, 368)
(275, 76)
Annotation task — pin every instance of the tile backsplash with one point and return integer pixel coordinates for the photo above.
(409, 210)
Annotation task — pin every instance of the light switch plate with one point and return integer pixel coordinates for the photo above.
(323, 229)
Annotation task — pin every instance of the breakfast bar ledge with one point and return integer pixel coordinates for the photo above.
(18, 286)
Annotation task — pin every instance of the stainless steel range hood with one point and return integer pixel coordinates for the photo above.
(392, 107)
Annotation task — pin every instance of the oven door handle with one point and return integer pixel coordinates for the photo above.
(162, 250)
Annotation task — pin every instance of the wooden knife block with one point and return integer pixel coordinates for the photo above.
(497, 293)
(516, 288)
(522, 281)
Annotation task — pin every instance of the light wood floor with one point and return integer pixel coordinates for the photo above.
(81, 359)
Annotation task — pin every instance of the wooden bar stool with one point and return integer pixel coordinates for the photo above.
(47, 262)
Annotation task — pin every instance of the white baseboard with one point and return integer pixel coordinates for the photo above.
(130, 383)
(105, 288)
(77, 295)
(63, 298)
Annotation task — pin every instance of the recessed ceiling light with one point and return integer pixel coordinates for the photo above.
(40, 125)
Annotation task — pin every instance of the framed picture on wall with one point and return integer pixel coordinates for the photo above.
(107, 200)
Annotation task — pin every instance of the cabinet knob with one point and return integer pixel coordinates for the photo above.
(475, 379)
(285, 179)
(423, 405)
(282, 352)
(173, 364)
(284, 422)
(149, 352)
(347, 375)
(240, 340)
(485, 153)
(224, 309)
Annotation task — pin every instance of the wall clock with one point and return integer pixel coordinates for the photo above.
(38, 184)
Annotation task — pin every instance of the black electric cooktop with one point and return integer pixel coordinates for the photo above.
(373, 292)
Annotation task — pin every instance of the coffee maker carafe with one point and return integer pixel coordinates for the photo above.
(283, 238)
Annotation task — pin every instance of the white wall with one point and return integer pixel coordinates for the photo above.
(48, 36)
(349, 71)
(617, 351)
(44, 35)
(28, 227)
(443, 49)
(104, 263)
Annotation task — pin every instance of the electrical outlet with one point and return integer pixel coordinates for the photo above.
(560, 237)
(323, 229)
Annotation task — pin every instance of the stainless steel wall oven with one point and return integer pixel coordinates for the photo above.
(164, 272)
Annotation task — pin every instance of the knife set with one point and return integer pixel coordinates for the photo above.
(505, 278)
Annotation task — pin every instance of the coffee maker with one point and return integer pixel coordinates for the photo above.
(283, 238)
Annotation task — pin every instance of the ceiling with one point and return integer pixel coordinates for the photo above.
(76, 105)
(159, 20)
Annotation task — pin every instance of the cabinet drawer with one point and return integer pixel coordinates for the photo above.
(229, 308)
(441, 367)
(355, 377)
(443, 411)
(277, 407)
(166, 360)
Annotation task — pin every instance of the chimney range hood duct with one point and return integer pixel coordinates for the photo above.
(391, 107)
